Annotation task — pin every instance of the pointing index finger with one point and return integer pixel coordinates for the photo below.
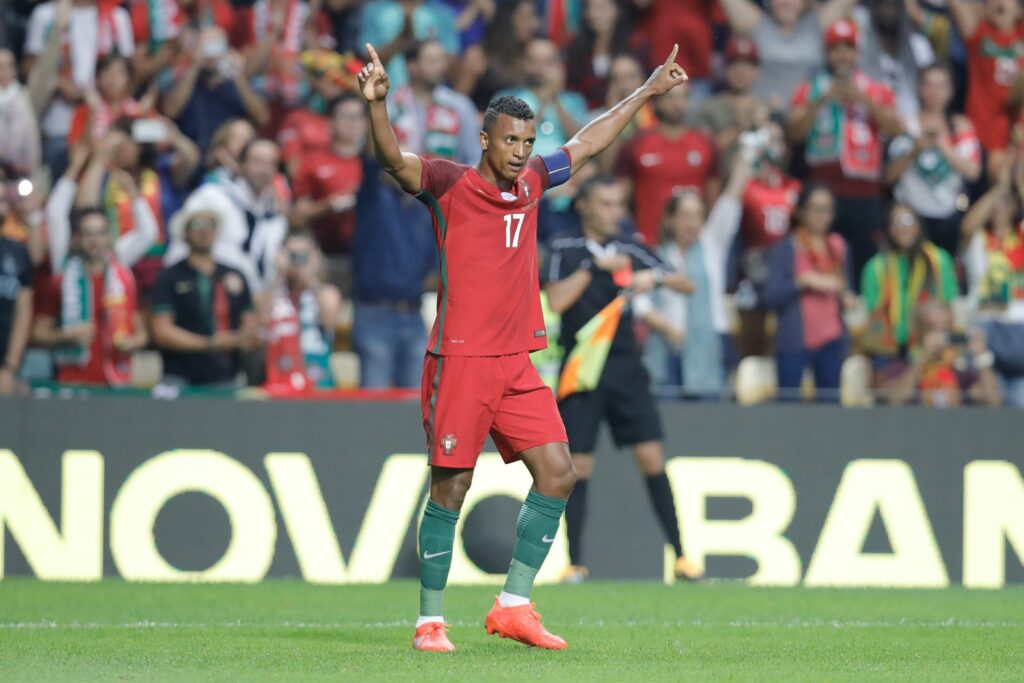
(374, 57)
(672, 57)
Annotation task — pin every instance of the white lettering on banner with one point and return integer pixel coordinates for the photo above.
(889, 487)
(993, 512)
(250, 513)
(493, 477)
(993, 515)
(758, 536)
(309, 525)
(75, 553)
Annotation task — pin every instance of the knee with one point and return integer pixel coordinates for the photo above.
(563, 480)
(451, 492)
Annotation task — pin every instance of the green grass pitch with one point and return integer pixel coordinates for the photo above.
(291, 631)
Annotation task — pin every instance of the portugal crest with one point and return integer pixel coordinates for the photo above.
(448, 443)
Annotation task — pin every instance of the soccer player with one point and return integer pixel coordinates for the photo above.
(477, 375)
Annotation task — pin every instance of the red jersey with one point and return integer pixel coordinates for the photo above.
(767, 210)
(323, 174)
(302, 131)
(993, 60)
(659, 167)
(659, 27)
(92, 372)
(489, 298)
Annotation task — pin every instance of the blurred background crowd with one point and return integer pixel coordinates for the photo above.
(189, 199)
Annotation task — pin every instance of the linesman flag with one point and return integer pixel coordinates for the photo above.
(583, 369)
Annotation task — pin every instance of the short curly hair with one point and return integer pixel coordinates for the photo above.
(506, 104)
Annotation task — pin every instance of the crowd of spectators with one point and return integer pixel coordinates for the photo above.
(194, 178)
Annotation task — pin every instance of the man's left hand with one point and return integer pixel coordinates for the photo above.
(666, 76)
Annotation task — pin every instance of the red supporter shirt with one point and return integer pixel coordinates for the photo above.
(659, 166)
(92, 372)
(489, 299)
(993, 61)
(689, 23)
(767, 210)
(866, 180)
(321, 175)
(301, 131)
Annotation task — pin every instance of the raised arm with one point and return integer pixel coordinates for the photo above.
(602, 131)
(975, 219)
(966, 16)
(133, 245)
(404, 167)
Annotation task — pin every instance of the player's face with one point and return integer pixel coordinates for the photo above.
(603, 209)
(508, 145)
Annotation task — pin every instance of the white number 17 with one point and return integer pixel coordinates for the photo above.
(512, 240)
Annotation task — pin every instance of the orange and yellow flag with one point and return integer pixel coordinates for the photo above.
(583, 369)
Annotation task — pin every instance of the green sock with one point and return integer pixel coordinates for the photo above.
(436, 538)
(535, 532)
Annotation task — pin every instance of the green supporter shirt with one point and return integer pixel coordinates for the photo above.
(872, 284)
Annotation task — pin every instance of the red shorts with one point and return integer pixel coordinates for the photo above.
(465, 398)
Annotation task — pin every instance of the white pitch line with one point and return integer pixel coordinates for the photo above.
(736, 623)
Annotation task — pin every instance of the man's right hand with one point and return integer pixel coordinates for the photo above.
(373, 79)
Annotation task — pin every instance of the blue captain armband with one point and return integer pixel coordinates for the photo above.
(559, 166)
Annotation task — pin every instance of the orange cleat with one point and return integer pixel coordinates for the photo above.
(432, 637)
(521, 623)
(575, 573)
(687, 570)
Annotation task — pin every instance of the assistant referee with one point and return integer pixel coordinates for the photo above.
(579, 284)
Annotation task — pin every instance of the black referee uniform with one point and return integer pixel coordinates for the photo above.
(623, 395)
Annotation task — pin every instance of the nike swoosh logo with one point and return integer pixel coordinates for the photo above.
(547, 540)
(430, 556)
